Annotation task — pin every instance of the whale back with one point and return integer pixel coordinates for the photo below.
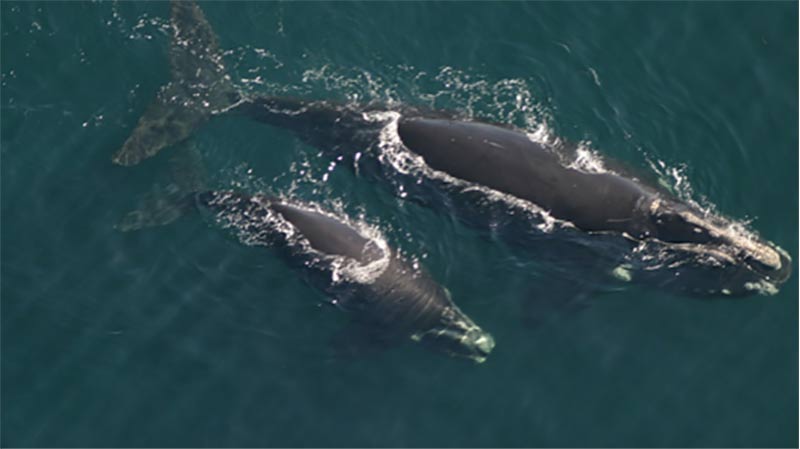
(327, 234)
(508, 161)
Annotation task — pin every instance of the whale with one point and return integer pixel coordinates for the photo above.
(390, 299)
(508, 161)
(496, 156)
(382, 291)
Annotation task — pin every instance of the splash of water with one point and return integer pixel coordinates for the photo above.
(263, 229)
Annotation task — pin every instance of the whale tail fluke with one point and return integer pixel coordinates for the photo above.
(199, 88)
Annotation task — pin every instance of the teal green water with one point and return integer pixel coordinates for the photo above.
(181, 336)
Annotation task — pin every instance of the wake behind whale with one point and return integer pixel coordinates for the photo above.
(662, 233)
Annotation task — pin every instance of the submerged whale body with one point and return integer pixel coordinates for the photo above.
(497, 157)
(373, 282)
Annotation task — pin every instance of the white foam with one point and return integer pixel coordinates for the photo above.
(588, 160)
(261, 231)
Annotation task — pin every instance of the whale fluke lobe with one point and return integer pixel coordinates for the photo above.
(199, 87)
(166, 122)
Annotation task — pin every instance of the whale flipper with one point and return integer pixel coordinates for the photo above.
(164, 205)
(159, 207)
(563, 298)
(199, 88)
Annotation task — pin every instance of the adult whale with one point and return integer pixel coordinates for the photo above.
(508, 161)
(495, 156)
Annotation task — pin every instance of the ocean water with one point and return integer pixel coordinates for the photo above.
(182, 336)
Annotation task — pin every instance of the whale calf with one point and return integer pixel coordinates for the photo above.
(382, 290)
(495, 156)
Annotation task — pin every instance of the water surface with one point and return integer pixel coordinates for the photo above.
(181, 336)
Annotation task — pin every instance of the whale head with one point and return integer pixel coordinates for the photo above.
(745, 263)
(457, 335)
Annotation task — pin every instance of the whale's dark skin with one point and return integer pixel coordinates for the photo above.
(510, 162)
(400, 302)
(495, 156)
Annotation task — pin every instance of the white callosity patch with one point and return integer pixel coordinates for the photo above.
(739, 241)
(462, 331)
(762, 286)
(741, 238)
(623, 273)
